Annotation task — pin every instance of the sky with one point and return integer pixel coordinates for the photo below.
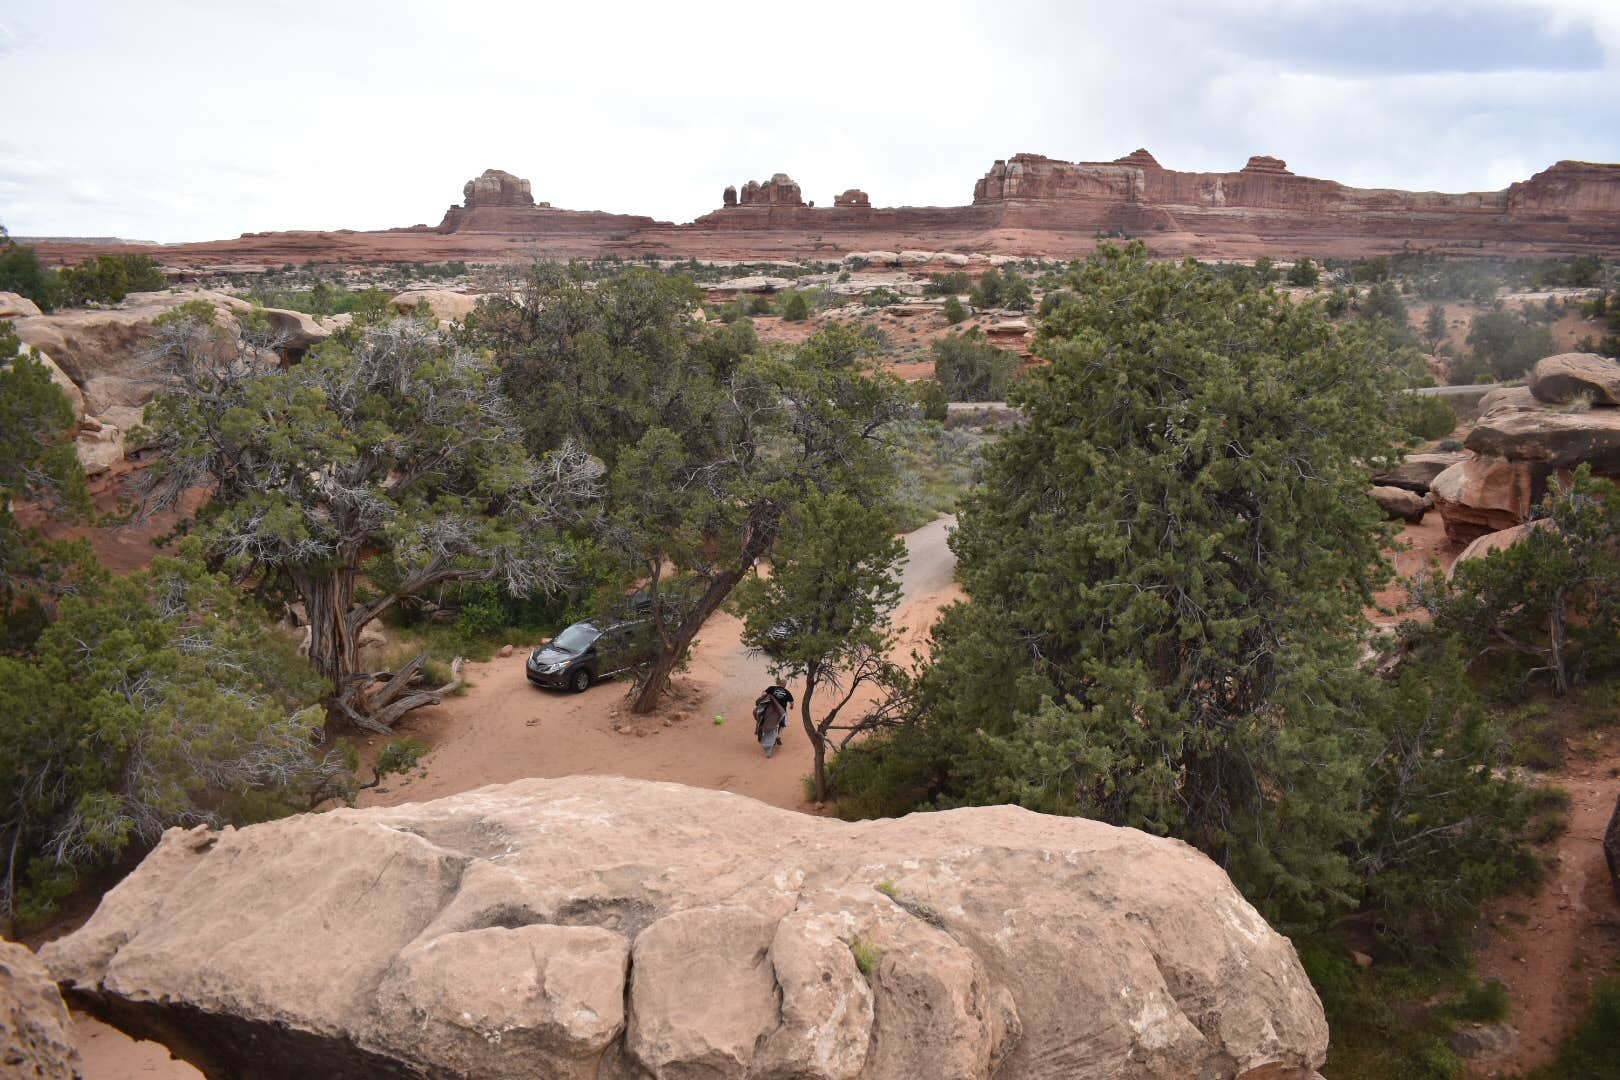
(177, 121)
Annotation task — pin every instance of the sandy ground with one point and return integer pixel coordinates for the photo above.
(504, 729)
(1550, 947)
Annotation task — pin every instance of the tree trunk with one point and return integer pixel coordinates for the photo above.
(761, 532)
(818, 738)
(333, 650)
(1557, 631)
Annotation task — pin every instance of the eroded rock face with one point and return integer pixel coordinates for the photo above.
(1558, 440)
(1482, 495)
(1417, 471)
(1566, 377)
(13, 306)
(605, 928)
(496, 187)
(779, 190)
(853, 197)
(36, 1033)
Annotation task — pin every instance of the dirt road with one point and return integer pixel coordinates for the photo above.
(504, 729)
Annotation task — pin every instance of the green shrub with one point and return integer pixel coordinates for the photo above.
(1592, 1051)
(21, 272)
(793, 307)
(969, 368)
(1303, 273)
(1505, 345)
(1424, 417)
(1482, 1003)
(950, 284)
(954, 310)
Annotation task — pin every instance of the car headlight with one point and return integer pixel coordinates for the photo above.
(552, 669)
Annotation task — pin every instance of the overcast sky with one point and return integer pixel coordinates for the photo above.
(190, 121)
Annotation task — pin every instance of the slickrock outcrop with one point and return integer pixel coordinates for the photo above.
(36, 1033)
(605, 928)
(13, 306)
(100, 352)
(1484, 494)
(1567, 377)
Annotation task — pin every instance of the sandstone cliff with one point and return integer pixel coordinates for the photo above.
(604, 928)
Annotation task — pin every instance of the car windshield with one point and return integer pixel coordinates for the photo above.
(576, 638)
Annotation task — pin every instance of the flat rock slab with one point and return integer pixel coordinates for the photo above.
(605, 928)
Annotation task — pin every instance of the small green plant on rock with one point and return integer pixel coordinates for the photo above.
(866, 955)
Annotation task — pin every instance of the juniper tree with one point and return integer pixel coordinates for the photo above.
(359, 477)
(822, 614)
(1166, 567)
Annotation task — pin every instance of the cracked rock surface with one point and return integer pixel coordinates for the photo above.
(607, 928)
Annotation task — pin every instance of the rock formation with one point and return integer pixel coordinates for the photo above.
(36, 1033)
(1399, 503)
(853, 197)
(1570, 377)
(779, 190)
(603, 928)
(496, 187)
(498, 202)
(100, 356)
(1524, 437)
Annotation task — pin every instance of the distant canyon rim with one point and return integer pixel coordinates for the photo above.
(1027, 205)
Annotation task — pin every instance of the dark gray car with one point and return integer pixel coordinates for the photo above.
(587, 652)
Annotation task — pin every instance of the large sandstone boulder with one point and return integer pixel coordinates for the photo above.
(1400, 504)
(1498, 541)
(625, 930)
(36, 1033)
(1483, 494)
(1417, 471)
(101, 349)
(447, 304)
(1510, 399)
(1561, 379)
(1559, 440)
(13, 306)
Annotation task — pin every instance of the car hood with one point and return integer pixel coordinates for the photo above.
(550, 654)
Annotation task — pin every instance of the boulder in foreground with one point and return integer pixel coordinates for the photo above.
(36, 1034)
(607, 928)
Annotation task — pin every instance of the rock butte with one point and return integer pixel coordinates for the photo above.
(1028, 204)
(623, 930)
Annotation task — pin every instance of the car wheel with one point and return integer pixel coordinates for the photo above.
(580, 680)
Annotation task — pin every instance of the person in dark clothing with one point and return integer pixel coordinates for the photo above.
(770, 716)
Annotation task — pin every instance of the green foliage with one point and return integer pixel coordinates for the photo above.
(107, 279)
(1015, 292)
(1167, 565)
(932, 398)
(1434, 327)
(954, 283)
(935, 465)
(37, 466)
(1552, 599)
(1424, 417)
(400, 756)
(988, 292)
(1379, 1026)
(971, 369)
(792, 306)
(21, 272)
(867, 956)
(1504, 346)
(422, 480)
(1304, 273)
(954, 311)
(1447, 824)
(1592, 1051)
(1482, 1003)
(1383, 307)
(189, 711)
